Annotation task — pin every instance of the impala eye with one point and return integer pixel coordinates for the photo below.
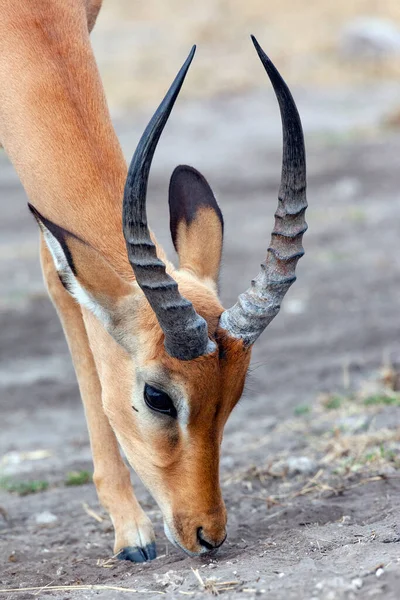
(159, 401)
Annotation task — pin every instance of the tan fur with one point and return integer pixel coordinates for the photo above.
(199, 244)
(55, 126)
(111, 475)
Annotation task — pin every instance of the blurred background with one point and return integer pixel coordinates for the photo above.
(315, 441)
(315, 43)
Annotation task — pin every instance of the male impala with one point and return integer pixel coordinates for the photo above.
(160, 363)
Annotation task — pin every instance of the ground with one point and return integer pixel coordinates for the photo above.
(310, 456)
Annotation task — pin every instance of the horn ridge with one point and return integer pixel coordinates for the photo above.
(186, 333)
(256, 307)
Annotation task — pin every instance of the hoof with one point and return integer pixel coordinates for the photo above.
(136, 554)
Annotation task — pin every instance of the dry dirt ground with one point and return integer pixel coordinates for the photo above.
(310, 456)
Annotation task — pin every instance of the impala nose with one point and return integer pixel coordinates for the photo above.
(207, 543)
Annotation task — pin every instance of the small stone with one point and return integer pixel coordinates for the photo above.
(45, 518)
(347, 187)
(357, 583)
(301, 465)
(345, 519)
(392, 538)
(227, 462)
(170, 579)
(368, 38)
(307, 564)
(295, 306)
(354, 423)
(379, 572)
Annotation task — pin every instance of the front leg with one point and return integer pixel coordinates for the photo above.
(134, 534)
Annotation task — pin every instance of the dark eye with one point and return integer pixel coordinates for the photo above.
(159, 401)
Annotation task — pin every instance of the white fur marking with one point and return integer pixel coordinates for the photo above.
(73, 286)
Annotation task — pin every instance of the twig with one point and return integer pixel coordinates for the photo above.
(198, 577)
(43, 588)
(273, 515)
(307, 488)
(89, 511)
(213, 586)
(115, 588)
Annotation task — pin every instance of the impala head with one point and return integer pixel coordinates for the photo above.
(175, 364)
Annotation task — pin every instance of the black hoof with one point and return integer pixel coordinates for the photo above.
(135, 554)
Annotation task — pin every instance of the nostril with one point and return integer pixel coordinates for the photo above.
(205, 543)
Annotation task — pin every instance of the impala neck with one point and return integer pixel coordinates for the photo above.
(55, 125)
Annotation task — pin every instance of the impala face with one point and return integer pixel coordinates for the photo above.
(170, 425)
(171, 361)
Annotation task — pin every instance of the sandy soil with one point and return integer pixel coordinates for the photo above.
(330, 531)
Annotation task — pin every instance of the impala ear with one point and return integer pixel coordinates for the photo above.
(196, 223)
(87, 276)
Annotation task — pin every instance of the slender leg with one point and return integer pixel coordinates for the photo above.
(134, 535)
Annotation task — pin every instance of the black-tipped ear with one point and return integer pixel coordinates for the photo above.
(188, 192)
(196, 222)
(88, 277)
(57, 232)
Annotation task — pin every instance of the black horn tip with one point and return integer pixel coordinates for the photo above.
(272, 72)
(190, 57)
(257, 45)
(263, 57)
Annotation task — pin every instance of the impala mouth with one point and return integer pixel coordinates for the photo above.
(179, 546)
(175, 543)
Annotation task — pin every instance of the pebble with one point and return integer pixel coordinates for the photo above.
(347, 188)
(369, 38)
(295, 306)
(301, 465)
(357, 583)
(170, 579)
(354, 423)
(45, 518)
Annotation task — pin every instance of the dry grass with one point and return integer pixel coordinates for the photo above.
(92, 513)
(341, 440)
(213, 585)
(76, 588)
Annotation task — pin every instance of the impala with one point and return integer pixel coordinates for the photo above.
(160, 363)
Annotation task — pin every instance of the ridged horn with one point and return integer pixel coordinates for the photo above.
(256, 307)
(186, 334)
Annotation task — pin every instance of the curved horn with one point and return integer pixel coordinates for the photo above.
(186, 334)
(256, 308)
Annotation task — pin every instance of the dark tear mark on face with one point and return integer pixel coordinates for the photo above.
(59, 233)
(189, 191)
(222, 352)
(219, 340)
